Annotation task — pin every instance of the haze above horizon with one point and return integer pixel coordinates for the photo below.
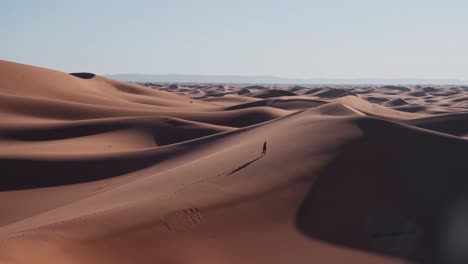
(292, 39)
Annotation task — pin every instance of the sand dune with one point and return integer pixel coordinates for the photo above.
(101, 171)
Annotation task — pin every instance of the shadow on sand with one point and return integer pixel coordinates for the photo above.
(388, 193)
(83, 75)
(244, 166)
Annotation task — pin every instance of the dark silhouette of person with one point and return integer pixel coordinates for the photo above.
(264, 148)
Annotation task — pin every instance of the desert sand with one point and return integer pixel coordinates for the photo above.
(100, 171)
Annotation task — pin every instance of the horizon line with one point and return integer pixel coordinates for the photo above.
(289, 78)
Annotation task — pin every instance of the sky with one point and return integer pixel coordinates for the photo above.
(295, 38)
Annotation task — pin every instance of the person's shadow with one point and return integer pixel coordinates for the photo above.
(244, 166)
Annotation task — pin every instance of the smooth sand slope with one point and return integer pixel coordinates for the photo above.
(100, 171)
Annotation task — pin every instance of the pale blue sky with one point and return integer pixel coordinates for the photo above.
(308, 39)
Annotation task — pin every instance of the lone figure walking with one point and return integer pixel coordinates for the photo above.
(264, 148)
